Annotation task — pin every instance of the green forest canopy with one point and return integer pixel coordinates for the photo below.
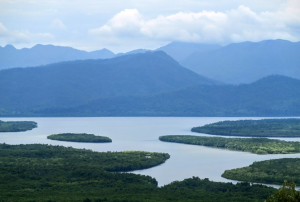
(253, 128)
(273, 171)
(253, 145)
(79, 137)
(55, 173)
(16, 126)
(287, 193)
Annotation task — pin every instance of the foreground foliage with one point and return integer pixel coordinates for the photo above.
(78, 137)
(286, 193)
(271, 171)
(17, 126)
(195, 189)
(46, 173)
(253, 145)
(253, 128)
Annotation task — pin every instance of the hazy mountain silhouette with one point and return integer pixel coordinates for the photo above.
(248, 61)
(181, 50)
(133, 52)
(72, 83)
(45, 54)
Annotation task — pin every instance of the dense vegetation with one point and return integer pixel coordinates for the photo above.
(53, 86)
(55, 173)
(78, 137)
(286, 193)
(122, 95)
(270, 96)
(253, 128)
(253, 145)
(16, 126)
(271, 171)
(195, 189)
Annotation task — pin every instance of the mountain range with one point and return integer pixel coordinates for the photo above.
(45, 54)
(153, 83)
(144, 84)
(235, 63)
(248, 61)
(72, 83)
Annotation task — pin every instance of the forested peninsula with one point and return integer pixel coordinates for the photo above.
(79, 137)
(16, 126)
(47, 173)
(273, 171)
(253, 128)
(253, 145)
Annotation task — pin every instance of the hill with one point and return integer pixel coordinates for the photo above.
(181, 50)
(45, 54)
(246, 62)
(270, 96)
(68, 84)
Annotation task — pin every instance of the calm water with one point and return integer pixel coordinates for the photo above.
(141, 133)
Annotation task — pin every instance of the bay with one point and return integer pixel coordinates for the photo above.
(141, 133)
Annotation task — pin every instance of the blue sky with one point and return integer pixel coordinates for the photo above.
(126, 25)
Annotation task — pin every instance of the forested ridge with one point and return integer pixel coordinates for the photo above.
(271, 96)
(274, 171)
(253, 128)
(73, 83)
(47, 173)
(253, 145)
(16, 126)
(78, 137)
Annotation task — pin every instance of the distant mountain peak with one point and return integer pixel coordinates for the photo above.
(276, 78)
(181, 50)
(9, 47)
(246, 62)
(46, 54)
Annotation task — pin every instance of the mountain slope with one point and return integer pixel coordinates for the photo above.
(181, 50)
(133, 52)
(270, 96)
(68, 84)
(248, 61)
(45, 54)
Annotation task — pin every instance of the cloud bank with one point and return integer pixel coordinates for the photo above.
(236, 25)
(22, 37)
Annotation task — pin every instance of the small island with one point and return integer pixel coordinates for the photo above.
(274, 171)
(253, 145)
(79, 137)
(16, 126)
(253, 128)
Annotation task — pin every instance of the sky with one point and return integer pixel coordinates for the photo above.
(121, 26)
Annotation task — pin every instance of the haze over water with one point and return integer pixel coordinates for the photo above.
(141, 133)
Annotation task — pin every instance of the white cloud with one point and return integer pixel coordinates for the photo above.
(57, 24)
(127, 22)
(3, 31)
(236, 25)
(22, 37)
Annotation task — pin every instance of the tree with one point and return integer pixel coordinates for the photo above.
(287, 193)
